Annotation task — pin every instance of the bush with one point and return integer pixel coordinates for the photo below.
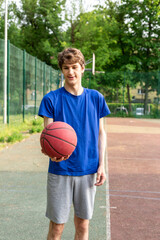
(19, 131)
(36, 129)
(14, 137)
(2, 139)
(37, 122)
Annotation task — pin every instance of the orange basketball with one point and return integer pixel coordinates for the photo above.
(58, 139)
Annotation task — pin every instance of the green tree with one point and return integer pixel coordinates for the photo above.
(143, 23)
(92, 34)
(72, 11)
(13, 31)
(95, 31)
(120, 46)
(40, 23)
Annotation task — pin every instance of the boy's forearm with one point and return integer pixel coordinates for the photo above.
(47, 121)
(101, 175)
(102, 147)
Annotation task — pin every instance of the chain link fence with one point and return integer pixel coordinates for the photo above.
(28, 80)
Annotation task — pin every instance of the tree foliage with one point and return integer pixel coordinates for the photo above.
(13, 31)
(143, 21)
(124, 37)
(40, 23)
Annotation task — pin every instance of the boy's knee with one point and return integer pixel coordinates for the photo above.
(55, 230)
(82, 228)
(82, 225)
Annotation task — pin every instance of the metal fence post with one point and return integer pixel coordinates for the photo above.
(8, 80)
(158, 92)
(62, 79)
(44, 78)
(50, 82)
(24, 82)
(58, 79)
(124, 88)
(89, 80)
(35, 88)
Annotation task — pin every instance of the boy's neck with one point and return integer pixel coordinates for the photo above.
(75, 90)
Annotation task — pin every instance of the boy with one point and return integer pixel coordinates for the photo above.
(73, 179)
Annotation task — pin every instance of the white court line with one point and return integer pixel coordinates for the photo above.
(135, 159)
(137, 197)
(108, 221)
(133, 191)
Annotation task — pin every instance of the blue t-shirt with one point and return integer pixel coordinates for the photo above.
(82, 112)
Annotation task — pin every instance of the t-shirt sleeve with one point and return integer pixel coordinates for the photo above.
(104, 109)
(46, 107)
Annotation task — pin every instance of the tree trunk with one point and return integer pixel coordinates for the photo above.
(72, 32)
(129, 98)
(146, 99)
(117, 95)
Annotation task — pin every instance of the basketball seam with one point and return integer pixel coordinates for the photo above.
(59, 139)
(53, 147)
(44, 145)
(60, 128)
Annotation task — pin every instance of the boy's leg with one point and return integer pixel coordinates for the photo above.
(59, 198)
(55, 231)
(84, 196)
(82, 228)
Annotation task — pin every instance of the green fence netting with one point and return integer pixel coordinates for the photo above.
(29, 79)
(1, 78)
(15, 82)
(135, 94)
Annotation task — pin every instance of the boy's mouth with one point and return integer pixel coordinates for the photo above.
(71, 77)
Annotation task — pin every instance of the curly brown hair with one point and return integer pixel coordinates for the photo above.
(71, 56)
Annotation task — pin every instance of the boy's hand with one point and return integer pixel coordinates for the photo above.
(101, 176)
(56, 159)
(59, 159)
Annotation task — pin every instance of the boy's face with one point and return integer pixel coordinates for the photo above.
(72, 73)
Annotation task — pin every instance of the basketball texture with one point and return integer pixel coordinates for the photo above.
(58, 139)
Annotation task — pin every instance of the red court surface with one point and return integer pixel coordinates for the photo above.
(134, 178)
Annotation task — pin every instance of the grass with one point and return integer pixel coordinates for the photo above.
(19, 130)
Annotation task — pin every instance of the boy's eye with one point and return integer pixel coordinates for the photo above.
(73, 67)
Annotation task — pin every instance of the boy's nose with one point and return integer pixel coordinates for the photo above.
(70, 70)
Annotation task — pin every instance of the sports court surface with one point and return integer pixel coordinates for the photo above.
(134, 178)
(132, 198)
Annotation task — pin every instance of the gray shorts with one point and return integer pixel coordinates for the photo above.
(62, 191)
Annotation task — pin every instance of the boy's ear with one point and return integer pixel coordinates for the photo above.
(83, 68)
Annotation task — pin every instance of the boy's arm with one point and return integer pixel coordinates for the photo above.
(47, 121)
(101, 175)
